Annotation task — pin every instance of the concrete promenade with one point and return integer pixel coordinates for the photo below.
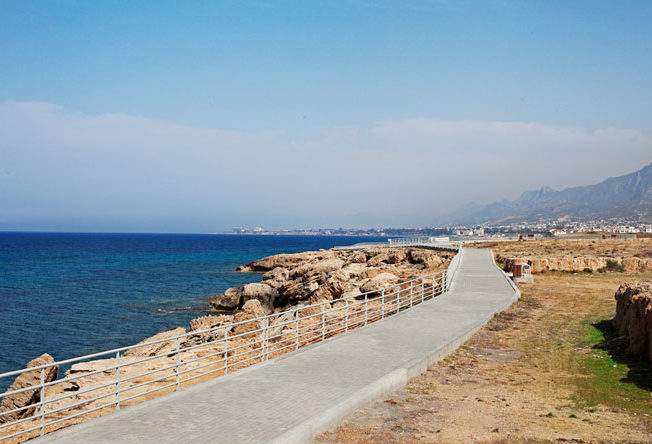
(291, 398)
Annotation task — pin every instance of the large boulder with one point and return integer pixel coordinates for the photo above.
(227, 301)
(282, 260)
(396, 256)
(210, 323)
(160, 348)
(428, 258)
(261, 292)
(278, 274)
(282, 322)
(337, 283)
(252, 309)
(372, 252)
(388, 256)
(351, 291)
(380, 281)
(28, 397)
(301, 288)
(322, 266)
(320, 295)
(356, 257)
(355, 269)
(379, 259)
(634, 318)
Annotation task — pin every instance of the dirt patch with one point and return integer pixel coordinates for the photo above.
(536, 373)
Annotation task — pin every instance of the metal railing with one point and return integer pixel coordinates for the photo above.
(443, 242)
(125, 376)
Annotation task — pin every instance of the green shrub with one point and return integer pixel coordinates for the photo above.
(613, 265)
(588, 270)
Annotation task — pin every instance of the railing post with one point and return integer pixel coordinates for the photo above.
(398, 299)
(296, 330)
(117, 381)
(382, 305)
(423, 290)
(346, 315)
(323, 320)
(176, 368)
(366, 308)
(265, 340)
(226, 351)
(42, 396)
(411, 293)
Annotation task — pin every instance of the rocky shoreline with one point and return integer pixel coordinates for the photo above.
(289, 281)
(321, 276)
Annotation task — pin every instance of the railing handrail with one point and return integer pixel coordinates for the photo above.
(427, 241)
(400, 295)
(196, 332)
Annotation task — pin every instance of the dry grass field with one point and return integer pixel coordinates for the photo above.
(537, 373)
(599, 247)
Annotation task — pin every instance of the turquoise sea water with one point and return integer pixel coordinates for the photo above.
(70, 294)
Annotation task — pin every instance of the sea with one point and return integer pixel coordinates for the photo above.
(72, 294)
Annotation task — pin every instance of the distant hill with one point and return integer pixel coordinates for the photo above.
(628, 196)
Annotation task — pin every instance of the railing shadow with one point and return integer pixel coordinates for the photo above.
(639, 369)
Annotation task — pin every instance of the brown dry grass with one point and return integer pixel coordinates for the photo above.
(535, 374)
(600, 247)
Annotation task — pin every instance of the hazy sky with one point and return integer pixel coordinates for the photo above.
(200, 116)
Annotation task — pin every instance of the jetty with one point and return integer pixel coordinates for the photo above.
(291, 398)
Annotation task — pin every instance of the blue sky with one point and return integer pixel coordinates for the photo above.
(199, 116)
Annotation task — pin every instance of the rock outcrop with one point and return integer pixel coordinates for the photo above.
(92, 366)
(28, 397)
(156, 349)
(207, 323)
(380, 281)
(321, 276)
(578, 263)
(252, 309)
(236, 297)
(634, 318)
(279, 260)
(229, 300)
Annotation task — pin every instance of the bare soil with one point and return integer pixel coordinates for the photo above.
(536, 373)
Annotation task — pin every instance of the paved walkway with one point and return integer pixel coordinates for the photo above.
(291, 398)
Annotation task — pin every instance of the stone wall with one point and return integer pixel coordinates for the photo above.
(578, 263)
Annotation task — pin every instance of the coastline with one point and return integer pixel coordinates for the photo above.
(127, 286)
(297, 279)
(300, 233)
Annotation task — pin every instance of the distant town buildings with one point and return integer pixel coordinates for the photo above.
(518, 230)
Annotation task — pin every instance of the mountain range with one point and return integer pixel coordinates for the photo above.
(624, 197)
